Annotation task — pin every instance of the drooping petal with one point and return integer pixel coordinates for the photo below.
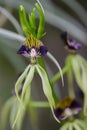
(57, 64)
(20, 80)
(43, 50)
(16, 115)
(28, 81)
(23, 51)
(47, 88)
(6, 111)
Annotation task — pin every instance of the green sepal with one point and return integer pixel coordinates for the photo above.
(40, 31)
(24, 22)
(32, 20)
(79, 65)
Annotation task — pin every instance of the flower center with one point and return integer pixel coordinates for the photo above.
(68, 111)
(33, 53)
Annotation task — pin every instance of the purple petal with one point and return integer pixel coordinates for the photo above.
(59, 113)
(72, 42)
(43, 50)
(23, 51)
(64, 37)
(78, 46)
(76, 106)
(72, 108)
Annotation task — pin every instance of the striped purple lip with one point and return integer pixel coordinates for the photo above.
(32, 52)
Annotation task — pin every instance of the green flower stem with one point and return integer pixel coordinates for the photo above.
(41, 63)
(70, 76)
(39, 104)
(58, 76)
(70, 83)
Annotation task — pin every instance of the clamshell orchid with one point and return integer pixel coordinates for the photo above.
(66, 108)
(70, 43)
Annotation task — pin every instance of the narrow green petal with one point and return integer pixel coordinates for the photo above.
(77, 71)
(16, 116)
(65, 126)
(20, 80)
(47, 89)
(83, 64)
(46, 85)
(57, 64)
(79, 65)
(85, 104)
(81, 124)
(77, 127)
(24, 22)
(6, 112)
(28, 81)
(70, 126)
(26, 98)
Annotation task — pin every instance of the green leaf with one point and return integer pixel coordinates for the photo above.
(41, 21)
(20, 81)
(47, 88)
(24, 22)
